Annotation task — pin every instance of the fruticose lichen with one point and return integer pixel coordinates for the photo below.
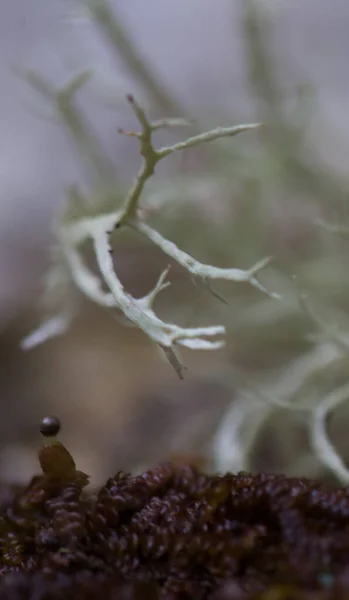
(172, 532)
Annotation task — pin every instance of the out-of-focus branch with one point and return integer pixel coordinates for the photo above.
(63, 101)
(322, 446)
(113, 30)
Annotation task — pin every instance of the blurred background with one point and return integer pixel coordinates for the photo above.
(281, 191)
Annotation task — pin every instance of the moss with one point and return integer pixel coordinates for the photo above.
(171, 532)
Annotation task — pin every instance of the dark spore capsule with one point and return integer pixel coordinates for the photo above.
(50, 426)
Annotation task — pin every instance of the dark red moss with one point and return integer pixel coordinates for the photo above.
(171, 533)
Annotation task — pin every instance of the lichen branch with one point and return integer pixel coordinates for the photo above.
(151, 156)
(63, 101)
(198, 269)
(105, 289)
(323, 449)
